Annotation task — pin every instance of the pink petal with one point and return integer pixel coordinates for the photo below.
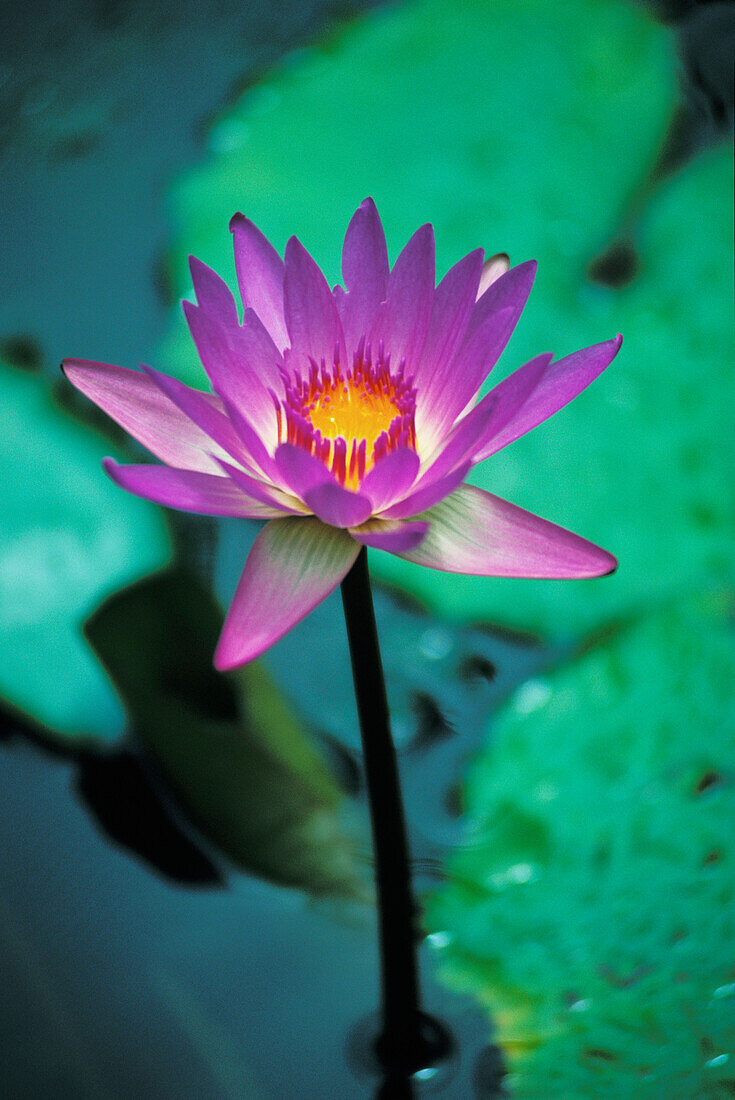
(301, 471)
(139, 406)
(188, 491)
(492, 269)
(457, 381)
(257, 351)
(502, 404)
(294, 564)
(260, 277)
(402, 322)
(199, 408)
(484, 420)
(365, 272)
(559, 384)
(390, 478)
(477, 533)
(224, 356)
(258, 456)
(337, 506)
(213, 294)
(432, 492)
(454, 300)
(314, 327)
(511, 289)
(391, 535)
(266, 494)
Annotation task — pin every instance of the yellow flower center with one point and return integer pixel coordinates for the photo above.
(352, 411)
(350, 420)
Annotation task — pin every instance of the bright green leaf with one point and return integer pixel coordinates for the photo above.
(69, 538)
(593, 911)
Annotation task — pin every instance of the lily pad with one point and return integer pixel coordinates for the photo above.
(593, 908)
(69, 539)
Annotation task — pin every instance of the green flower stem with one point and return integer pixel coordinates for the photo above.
(400, 1044)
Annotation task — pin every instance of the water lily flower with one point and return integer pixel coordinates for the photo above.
(348, 418)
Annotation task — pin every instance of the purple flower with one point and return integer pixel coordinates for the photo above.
(348, 418)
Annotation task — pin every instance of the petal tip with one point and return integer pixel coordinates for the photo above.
(225, 661)
(601, 563)
(528, 268)
(293, 244)
(69, 367)
(611, 564)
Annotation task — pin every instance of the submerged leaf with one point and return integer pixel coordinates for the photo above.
(229, 747)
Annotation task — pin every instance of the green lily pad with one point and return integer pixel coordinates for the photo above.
(229, 747)
(593, 908)
(519, 127)
(70, 537)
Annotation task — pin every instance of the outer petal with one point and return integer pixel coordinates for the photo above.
(486, 419)
(259, 456)
(225, 360)
(402, 322)
(365, 272)
(390, 478)
(337, 506)
(431, 493)
(266, 494)
(260, 277)
(293, 565)
(139, 406)
(559, 384)
(457, 381)
(213, 294)
(199, 408)
(392, 535)
(188, 490)
(454, 301)
(511, 289)
(258, 351)
(313, 323)
(477, 533)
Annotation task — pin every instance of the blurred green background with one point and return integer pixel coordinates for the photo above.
(590, 904)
